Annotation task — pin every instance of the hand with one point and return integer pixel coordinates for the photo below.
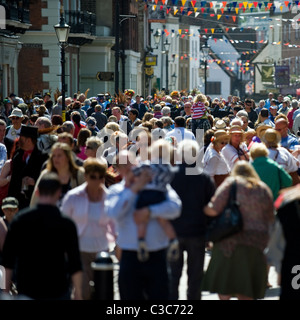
(141, 215)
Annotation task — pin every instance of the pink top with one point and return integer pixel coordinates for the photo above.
(81, 155)
(199, 110)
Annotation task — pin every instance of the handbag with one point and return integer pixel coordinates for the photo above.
(227, 223)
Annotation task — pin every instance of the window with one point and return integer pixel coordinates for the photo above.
(214, 87)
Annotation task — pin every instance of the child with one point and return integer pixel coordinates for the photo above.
(200, 113)
(153, 193)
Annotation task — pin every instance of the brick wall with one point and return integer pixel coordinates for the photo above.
(36, 18)
(31, 69)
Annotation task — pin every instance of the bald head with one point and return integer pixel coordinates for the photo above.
(281, 125)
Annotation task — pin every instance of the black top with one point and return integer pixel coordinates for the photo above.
(43, 246)
(195, 191)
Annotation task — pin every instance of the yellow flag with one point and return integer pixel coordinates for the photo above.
(219, 16)
(245, 4)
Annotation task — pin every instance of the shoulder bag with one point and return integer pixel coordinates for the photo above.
(227, 223)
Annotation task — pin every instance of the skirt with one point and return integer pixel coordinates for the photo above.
(244, 273)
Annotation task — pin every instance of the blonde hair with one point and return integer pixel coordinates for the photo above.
(258, 150)
(246, 171)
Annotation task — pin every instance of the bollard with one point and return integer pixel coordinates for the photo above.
(103, 277)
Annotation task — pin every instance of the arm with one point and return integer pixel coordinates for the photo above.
(4, 175)
(8, 279)
(77, 283)
(3, 232)
(285, 179)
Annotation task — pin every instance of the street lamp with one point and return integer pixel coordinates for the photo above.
(62, 32)
(205, 51)
(157, 36)
(167, 47)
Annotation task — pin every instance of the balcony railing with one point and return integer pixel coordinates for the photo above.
(81, 21)
(16, 10)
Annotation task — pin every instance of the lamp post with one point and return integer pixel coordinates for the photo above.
(157, 36)
(205, 51)
(62, 32)
(167, 47)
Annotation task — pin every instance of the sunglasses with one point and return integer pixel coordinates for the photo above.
(88, 147)
(14, 118)
(94, 177)
(223, 142)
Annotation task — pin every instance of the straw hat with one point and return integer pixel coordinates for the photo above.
(261, 129)
(236, 129)
(220, 135)
(271, 136)
(220, 125)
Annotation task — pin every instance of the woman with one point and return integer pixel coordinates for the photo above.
(238, 266)
(92, 145)
(235, 150)
(76, 119)
(80, 147)
(61, 161)
(214, 163)
(85, 205)
(282, 156)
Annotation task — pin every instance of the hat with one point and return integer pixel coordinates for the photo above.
(220, 124)
(29, 131)
(91, 122)
(10, 202)
(273, 107)
(286, 99)
(16, 113)
(249, 132)
(220, 135)
(100, 95)
(261, 129)
(236, 129)
(271, 136)
(47, 94)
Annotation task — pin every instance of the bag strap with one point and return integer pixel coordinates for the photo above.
(232, 194)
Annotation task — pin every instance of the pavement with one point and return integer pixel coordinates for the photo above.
(271, 293)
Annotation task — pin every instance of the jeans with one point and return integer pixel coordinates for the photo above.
(143, 280)
(200, 124)
(195, 248)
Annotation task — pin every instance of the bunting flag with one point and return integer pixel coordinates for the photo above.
(193, 3)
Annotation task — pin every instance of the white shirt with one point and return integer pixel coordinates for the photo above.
(180, 134)
(214, 163)
(12, 133)
(230, 154)
(284, 158)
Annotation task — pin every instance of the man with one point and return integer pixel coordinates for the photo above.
(13, 131)
(6, 111)
(284, 109)
(26, 166)
(252, 115)
(292, 114)
(187, 110)
(261, 105)
(133, 115)
(57, 109)
(42, 246)
(140, 280)
(100, 117)
(142, 109)
(190, 226)
(273, 112)
(288, 141)
(180, 132)
(122, 120)
(268, 101)
(46, 137)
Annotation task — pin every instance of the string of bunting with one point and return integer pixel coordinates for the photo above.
(196, 7)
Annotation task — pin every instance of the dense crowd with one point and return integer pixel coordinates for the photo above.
(142, 177)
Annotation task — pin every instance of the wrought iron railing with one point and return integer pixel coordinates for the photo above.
(16, 10)
(81, 21)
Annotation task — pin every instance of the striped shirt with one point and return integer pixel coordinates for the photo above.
(198, 110)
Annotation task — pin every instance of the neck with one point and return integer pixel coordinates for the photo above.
(95, 194)
(50, 200)
(17, 126)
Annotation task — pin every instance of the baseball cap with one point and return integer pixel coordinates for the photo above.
(9, 202)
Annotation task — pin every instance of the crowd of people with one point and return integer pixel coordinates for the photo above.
(141, 177)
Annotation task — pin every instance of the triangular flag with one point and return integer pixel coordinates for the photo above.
(219, 16)
(245, 4)
(154, 7)
(167, 32)
(175, 10)
(183, 2)
(250, 5)
(236, 10)
(222, 10)
(156, 1)
(224, 3)
(281, 7)
(179, 31)
(193, 3)
(240, 5)
(286, 3)
(234, 18)
(205, 30)
(212, 31)
(227, 29)
(189, 13)
(195, 10)
(196, 14)
(269, 5)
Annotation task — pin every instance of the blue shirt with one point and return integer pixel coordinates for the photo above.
(120, 205)
(296, 113)
(3, 155)
(289, 142)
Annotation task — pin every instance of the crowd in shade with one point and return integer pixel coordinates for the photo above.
(141, 178)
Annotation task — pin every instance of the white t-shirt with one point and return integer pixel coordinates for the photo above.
(12, 133)
(230, 154)
(93, 238)
(180, 134)
(214, 163)
(284, 158)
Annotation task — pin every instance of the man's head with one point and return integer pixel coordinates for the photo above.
(295, 104)
(116, 111)
(179, 122)
(49, 188)
(166, 111)
(10, 206)
(273, 110)
(133, 114)
(281, 125)
(187, 108)
(2, 129)
(16, 117)
(28, 137)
